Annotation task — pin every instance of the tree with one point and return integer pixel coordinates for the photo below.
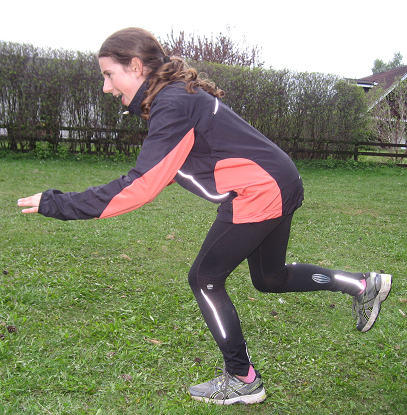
(380, 66)
(221, 49)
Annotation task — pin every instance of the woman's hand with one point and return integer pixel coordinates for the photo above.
(33, 201)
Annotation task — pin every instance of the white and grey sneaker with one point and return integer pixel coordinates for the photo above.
(227, 389)
(366, 306)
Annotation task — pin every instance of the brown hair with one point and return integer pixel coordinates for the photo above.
(126, 44)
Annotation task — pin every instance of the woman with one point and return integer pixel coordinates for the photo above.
(200, 143)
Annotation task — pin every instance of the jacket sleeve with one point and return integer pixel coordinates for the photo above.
(170, 139)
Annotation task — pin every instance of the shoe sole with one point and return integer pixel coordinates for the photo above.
(381, 296)
(246, 399)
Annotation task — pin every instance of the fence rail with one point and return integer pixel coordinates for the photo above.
(96, 140)
(304, 148)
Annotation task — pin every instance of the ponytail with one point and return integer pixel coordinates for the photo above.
(176, 69)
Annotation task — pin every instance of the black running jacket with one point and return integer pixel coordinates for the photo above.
(200, 143)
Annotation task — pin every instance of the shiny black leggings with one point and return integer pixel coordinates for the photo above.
(264, 245)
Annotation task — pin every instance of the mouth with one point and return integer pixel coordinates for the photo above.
(123, 98)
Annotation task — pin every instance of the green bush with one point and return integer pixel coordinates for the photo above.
(56, 97)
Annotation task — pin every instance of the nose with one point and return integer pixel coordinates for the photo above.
(107, 86)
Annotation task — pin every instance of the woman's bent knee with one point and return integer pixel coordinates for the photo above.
(277, 282)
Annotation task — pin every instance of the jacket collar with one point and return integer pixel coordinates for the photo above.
(134, 107)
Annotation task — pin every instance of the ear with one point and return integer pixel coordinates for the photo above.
(137, 66)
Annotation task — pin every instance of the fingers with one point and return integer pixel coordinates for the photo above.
(32, 202)
(30, 210)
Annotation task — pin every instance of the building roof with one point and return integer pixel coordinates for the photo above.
(385, 79)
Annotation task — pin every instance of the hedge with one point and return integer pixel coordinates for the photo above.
(56, 96)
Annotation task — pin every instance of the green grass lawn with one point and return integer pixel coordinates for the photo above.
(106, 322)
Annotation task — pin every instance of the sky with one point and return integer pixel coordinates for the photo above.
(339, 37)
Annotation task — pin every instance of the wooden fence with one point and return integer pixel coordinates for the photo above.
(310, 149)
(128, 142)
(79, 140)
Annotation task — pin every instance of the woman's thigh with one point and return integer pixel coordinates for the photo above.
(227, 245)
(267, 261)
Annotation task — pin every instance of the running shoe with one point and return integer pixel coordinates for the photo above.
(366, 306)
(227, 389)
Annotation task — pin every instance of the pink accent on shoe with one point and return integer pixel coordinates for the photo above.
(364, 283)
(251, 376)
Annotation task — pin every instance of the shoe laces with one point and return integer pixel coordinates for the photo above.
(224, 379)
(363, 298)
